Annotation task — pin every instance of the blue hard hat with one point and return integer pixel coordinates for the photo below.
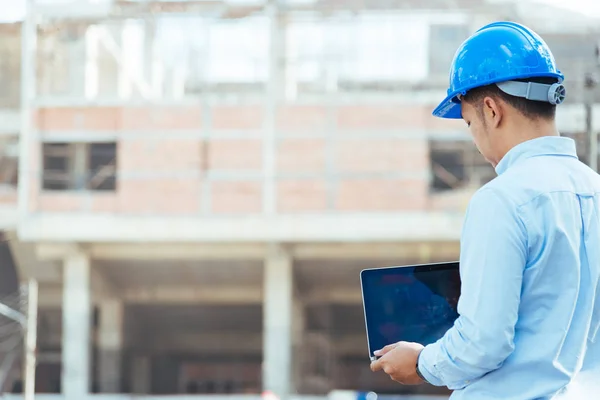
(502, 53)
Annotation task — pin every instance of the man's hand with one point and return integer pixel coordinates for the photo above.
(399, 361)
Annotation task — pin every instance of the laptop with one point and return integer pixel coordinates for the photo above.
(413, 303)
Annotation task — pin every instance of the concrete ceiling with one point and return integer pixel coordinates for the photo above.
(312, 274)
(146, 273)
(308, 273)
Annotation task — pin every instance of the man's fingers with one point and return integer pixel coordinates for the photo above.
(386, 349)
(376, 365)
(389, 370)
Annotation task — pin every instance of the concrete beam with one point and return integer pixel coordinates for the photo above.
(179, 251)
(424, 251)
(193, 294)
(323, 228)
(447, 250)
(55, 251)
(430, 97)
(51, 296)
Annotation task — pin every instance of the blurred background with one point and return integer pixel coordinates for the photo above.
(195, 185)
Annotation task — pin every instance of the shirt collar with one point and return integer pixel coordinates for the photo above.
(543, 146)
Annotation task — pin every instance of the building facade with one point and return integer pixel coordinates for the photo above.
(197, 194)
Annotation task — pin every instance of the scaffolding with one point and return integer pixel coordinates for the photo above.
(121, 51)
(18, 321)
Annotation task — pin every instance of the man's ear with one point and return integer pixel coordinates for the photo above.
(492, 112)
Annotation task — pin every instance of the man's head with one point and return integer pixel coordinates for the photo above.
(505, 84)
(497, 120)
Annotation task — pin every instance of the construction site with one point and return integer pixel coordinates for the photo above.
(196, 185)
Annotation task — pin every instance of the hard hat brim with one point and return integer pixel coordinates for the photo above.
(450, 108)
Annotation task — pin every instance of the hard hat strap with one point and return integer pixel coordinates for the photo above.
(549, 93)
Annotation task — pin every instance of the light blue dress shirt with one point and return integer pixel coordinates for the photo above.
(530, 270)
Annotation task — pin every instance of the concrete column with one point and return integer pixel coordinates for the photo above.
(277, 320)
(110, 342)
(80, 157)
(141, 375)
(76, 327)
(127, 60)
(298, 321)
(275, 83)
(76, 67)
(92, 46)
(149, 33)
(298, 332)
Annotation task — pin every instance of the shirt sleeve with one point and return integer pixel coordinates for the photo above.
(493, 256)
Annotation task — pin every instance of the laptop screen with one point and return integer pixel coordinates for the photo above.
(411, 304)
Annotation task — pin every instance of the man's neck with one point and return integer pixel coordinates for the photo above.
(527, 130)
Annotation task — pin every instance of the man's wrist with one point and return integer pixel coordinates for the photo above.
(417, 368)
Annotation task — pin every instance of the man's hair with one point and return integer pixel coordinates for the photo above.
(529, 108)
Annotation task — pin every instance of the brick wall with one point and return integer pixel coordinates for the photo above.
(192, 160)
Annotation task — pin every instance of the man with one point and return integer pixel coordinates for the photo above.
(529, 311)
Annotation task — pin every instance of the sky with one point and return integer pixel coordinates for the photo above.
(13, 10)
(588, 7)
